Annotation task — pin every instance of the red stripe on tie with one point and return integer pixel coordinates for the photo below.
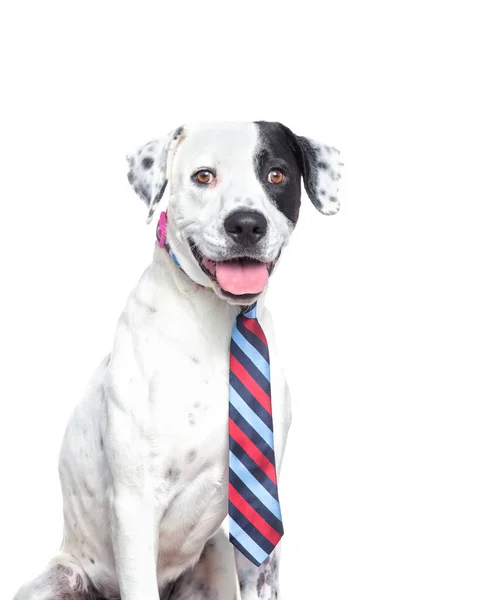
(252, 450)
(252, 516)
(255, 328)
(250, 384)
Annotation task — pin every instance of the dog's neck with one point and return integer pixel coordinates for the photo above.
(171, 288)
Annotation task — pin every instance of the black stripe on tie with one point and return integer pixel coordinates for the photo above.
(243, 550)
(252, 434)
(254, 340)
(250, 529)
(253, 468)
(254, 501)
(251, 368)
(250, 400)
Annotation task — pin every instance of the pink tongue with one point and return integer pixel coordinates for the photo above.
(242, 276)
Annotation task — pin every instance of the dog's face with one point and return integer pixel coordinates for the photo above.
(235, 197)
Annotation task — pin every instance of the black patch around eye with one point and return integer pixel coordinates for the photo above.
(147, 162)
(277, 149)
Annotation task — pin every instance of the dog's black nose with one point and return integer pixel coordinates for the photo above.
(246, 227)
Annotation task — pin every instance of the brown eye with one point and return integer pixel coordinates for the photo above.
(204, 176)
(275, 176)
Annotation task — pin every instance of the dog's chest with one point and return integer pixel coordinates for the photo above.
(189, 452)
(190, 409)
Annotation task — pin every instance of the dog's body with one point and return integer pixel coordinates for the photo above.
(144, 461)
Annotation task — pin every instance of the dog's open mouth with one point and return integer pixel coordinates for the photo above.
(241, 277)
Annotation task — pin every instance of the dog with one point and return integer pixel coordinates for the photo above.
(144, 460)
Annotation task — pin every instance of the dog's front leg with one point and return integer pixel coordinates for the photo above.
(258, 583)
(134, 545)
(135, 509)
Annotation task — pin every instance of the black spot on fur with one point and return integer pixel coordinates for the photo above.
(147, 162)
(260, 583)
(195, 360)
(144, 192)
(323, 192)
(242, 584)
(323, 165)
(192, 455)
(178, 132)
(191, 419)
(92, 561)
(101, 442)
(333, 199)
(146, 305)
(172, 474)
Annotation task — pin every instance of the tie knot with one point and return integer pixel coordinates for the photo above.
(249, 311)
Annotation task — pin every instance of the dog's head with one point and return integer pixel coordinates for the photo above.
(235, 197)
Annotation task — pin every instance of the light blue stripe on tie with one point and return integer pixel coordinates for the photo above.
(250, 351)
(246, 541)
(253, 484)
(251, 417)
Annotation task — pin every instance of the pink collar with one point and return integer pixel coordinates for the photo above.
(162, 238)
(162, 229)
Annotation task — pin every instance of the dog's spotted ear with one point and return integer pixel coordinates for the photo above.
(321, 168)
(148, 169)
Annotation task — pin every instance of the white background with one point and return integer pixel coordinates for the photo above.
(379, 310)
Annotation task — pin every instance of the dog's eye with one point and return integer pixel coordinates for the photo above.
(204, 176)
(276, 176)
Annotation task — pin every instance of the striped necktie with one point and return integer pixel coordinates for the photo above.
(255, 526)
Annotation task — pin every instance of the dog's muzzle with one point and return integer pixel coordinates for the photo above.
(243, 276)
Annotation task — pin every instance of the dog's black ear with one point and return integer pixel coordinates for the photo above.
(148, 169)
(321, 168)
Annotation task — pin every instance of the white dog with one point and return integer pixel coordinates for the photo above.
(144, 461)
